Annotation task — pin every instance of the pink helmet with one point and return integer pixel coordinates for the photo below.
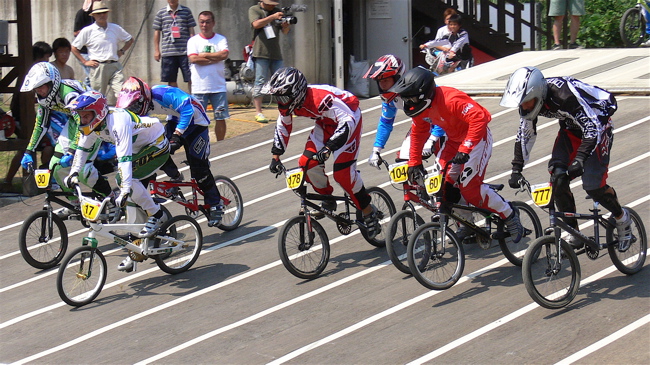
(135, 96)
(386, 66)
(90, 101)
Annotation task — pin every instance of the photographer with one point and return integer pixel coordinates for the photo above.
(267, 21)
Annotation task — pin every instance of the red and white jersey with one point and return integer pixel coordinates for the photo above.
(462, 118)
(337, 116)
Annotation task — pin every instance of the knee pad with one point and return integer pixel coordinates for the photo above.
(607, 198)
(362, 197)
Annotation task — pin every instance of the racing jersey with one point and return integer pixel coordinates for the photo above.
(174, 101)
(129, 133)
(65, 132)
(462, 118)
(582, 109)
(387, 118)
(336, 112)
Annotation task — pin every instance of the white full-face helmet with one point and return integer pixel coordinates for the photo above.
(525, 84)
(39, 75)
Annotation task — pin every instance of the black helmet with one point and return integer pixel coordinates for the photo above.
(417, 89)
(289, 86)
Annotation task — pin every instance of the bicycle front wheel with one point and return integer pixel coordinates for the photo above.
(552, 278)
(385, 209)
(183, 236)
(400, 228)
(43, 239)
(631, 260)
(303, 252)
(234, 209)
(632, 27)
(514, 252)
(81, 276)
(436, 262)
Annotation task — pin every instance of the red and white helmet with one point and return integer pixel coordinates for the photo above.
(135, 96)
(386, 66)
(90, 101)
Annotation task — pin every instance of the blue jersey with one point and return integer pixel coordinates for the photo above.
(385, 127)
(177, 102)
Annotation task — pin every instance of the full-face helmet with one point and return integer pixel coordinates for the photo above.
(40, 74)
(135, 96)
(524, 85)
(90, 101)
(417, 88)
(387, 66)
(289, 86)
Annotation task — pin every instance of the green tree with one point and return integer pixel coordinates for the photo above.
(599, 26)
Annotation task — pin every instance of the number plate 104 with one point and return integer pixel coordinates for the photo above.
(398, 172)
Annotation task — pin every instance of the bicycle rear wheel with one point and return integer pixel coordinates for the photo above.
(632, 27)
(81, 276)
(234, 210)
(304, 253)
(180, 228)
(552, 278)
(514, 252)
(400, 228)
(385, 209)
(630, 261)
(43, 239)
(436, 262)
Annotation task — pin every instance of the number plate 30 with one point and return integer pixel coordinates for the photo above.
(42, 177)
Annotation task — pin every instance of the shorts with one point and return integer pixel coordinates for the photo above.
(559, 7)
(219, 103)
(264, 69)
(169, 66)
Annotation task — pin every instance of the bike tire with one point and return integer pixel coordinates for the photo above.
(233, 212)
(400, 228)
(632, 27)
(514, 252)
(385, 209)
(303, 259)
(41, 247)
(182, 228)
(630, 261)
(81, 276)
(549, 289)
(433, 267)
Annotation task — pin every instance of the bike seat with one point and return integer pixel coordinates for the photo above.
(496, 187)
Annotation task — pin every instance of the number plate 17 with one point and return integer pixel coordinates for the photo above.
(541, 194)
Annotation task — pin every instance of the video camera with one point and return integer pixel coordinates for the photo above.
(288, 14)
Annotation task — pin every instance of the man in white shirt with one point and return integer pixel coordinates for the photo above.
(207, 51)
(102, 40)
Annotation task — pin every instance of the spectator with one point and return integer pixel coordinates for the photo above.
(207, 51)
(176, 25)
(459, 49)
(102, 39)
(558, 9)
(82, 20)
(61, 48)
(444, 30)
(267, 55)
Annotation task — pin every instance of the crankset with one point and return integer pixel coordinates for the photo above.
(344, 228)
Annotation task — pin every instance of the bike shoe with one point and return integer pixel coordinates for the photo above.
(371, 221)
(150, 227)
(575, 243)
(215, 215)
(624, 231)
(463, 232)
(325, 204)
(126, 265)
(64, 213)
(514, 226)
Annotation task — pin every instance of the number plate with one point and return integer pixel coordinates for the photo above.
(433, 182)
(541, 194)
(90, 209)
(397, 172)
(294, 178)
(42, 177)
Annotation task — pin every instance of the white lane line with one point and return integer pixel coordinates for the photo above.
(605, 341)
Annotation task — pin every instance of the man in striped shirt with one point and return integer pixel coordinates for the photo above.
(175, 23)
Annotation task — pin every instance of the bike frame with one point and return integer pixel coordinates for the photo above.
(160, 188)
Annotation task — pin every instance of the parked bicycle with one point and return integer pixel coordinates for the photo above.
(303, 243)
(551, 270)
(231, 199)
(175, 247)
(435, 256)
(633, 24)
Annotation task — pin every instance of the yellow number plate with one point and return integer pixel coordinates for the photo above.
(42, 178)
(541, 194)
(397, 172)
(294, 178)
(433, 183)
(90, 209)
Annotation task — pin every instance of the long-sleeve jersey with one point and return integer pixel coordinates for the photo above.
(387, 118)
(462, 118)
(129, 133)
(174, 101)
(334, 111)
(68, 91)
(582, 109)
(457, 40)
